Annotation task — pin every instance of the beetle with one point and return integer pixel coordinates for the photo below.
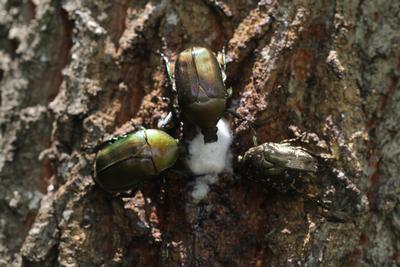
(198, 80)
(269, 160)
(275, 158)
(126, 161)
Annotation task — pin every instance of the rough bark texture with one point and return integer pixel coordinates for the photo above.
(73, 73)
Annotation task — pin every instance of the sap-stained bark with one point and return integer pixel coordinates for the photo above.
(73, 73)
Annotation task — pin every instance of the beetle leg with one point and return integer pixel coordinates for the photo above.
(164, 122)
(223, 76)
(169, 72)
(129, 193)
(228, 92)
(221, 57)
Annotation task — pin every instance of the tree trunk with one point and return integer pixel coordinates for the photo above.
(74, 73)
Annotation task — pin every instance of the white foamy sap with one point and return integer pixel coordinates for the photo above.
(209, 159)
(205, 158)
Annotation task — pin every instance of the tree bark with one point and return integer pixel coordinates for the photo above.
(74, 73)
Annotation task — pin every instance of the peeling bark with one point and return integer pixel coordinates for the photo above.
(74, 73)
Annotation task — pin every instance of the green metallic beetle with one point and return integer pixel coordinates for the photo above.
(128, 160)
(198, 80)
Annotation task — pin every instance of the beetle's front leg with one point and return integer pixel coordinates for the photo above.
(221, 57)
(229, 92)
(168, 67)
(127, 194)
(162, 123)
